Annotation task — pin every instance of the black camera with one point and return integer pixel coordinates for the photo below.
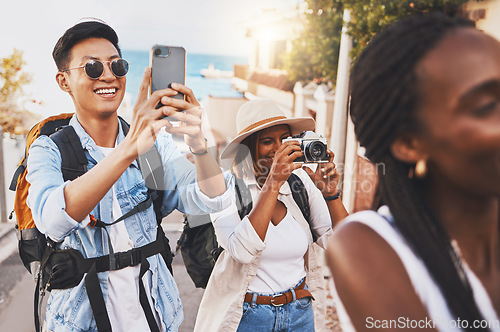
(313, 147)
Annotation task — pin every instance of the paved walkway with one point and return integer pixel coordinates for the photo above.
(8, 240)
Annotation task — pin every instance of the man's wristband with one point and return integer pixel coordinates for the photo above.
(333, 197)
(200, 153)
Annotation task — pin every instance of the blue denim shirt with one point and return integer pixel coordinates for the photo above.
(69, 309)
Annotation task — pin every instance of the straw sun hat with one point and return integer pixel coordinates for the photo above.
(260, 114)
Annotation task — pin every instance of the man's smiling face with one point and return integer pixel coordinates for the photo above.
(101, 96)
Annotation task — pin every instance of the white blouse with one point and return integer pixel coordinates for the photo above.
(238, 236)
(282, 262)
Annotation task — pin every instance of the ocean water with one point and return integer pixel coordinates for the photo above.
(202, 87)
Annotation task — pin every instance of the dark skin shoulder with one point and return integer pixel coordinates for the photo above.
(279, 213)
(370, 278)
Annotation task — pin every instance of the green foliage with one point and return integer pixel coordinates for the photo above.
(368, 17)
(314, 55)
(14, 118)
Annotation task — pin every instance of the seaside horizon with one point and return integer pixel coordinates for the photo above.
(195, 62)
(44, 98)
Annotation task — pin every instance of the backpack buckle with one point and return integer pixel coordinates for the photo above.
(93, 221)
(128, 258)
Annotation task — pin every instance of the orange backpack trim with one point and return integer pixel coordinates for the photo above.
(23, 212)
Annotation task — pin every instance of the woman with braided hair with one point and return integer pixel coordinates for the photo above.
(425, 101)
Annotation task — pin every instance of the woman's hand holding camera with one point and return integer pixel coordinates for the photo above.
(326, 178)
(283, 165)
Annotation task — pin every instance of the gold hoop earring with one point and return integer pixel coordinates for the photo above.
(421, 169)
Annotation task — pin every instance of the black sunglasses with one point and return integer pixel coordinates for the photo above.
(95, 68)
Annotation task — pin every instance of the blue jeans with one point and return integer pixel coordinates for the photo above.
(297, 315)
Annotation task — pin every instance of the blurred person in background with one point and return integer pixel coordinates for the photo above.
(425, 101)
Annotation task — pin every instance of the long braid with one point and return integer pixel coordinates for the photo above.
(425, 233)
(384, 98)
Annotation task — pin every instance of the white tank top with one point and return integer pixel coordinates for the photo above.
(424, 285)
(282, 261)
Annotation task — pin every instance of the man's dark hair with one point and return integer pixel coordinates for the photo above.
(385, 94)
(77, 33)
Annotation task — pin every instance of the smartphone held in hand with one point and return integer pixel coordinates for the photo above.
(168, 65)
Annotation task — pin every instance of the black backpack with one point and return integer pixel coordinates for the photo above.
(198, 242)
(62, 269)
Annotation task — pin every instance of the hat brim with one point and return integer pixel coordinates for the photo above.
(297, 125)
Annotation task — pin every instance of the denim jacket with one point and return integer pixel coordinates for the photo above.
(69, 309)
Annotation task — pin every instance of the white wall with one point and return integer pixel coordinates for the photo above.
(221, 113)
(491, 23)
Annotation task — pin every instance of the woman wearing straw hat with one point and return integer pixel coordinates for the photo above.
(269, 277)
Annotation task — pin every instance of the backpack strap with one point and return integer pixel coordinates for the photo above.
(143, 299)
(96, 299)
(74, 164)
(151, 167)
(19, 170)
(74, 160)
(45, 127)
(300, 196)
(72, 268)
(243, 197)
(125, 125)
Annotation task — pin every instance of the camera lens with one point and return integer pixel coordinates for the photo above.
(316, 151)
(158, 51)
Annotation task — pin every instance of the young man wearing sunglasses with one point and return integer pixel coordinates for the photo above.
(93, 73)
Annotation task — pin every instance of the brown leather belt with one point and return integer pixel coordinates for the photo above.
(278, 300)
